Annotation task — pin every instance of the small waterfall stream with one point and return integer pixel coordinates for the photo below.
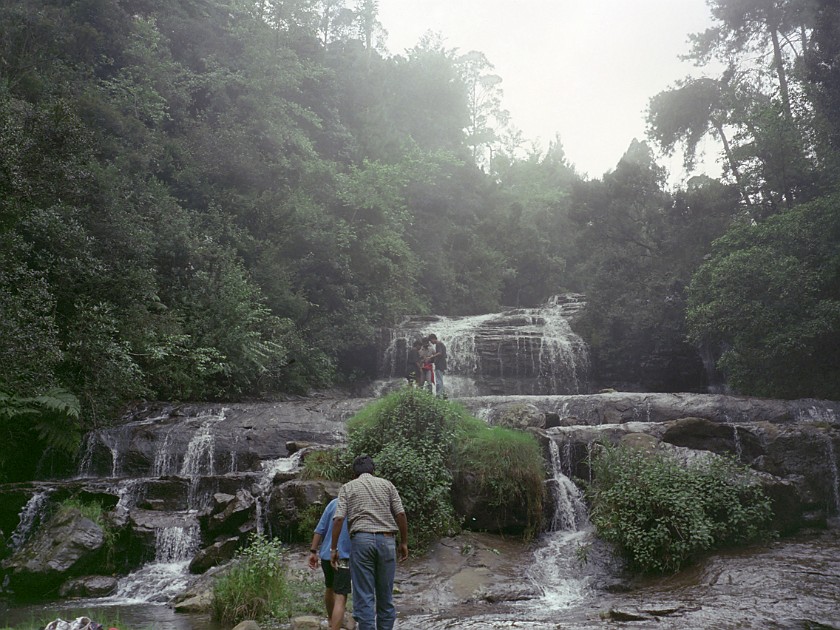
(556, 567)
(30, 516)
(270, 470)
(167, 575)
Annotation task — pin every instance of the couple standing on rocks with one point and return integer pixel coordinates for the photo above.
(355, 540)
(426, 364)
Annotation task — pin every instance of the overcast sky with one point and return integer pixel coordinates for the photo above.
(583, 69)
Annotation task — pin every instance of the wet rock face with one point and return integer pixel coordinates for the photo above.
(793, 444)
(203, 440)
(70, 544)
(213, 476)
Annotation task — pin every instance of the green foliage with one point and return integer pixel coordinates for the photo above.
(256, 587)
(420, 442)
(334, 465)
(30, 425)
(308, 521)
(410, 435)
(661, 514)
(228, 202)
(769, 297)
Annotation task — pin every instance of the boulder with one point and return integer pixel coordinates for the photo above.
(287, 502)
(218, 553)
(229, 513)
(89, 586)
(69, 544)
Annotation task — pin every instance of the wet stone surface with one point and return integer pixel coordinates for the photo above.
(792, 583)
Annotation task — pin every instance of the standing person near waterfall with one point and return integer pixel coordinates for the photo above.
(413, 365)
(426, 353)
(374, 509)
(439, 359)
(336, 579)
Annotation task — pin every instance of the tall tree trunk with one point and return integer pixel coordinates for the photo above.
(733, 166)
(778, 62)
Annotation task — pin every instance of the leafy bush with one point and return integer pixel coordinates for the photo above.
(46, 422)
(768, 299)
(661, 514)
(419, 442)
(333, 465)
(411, 435)
(256, 587)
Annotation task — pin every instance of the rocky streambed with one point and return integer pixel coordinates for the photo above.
(185, 485)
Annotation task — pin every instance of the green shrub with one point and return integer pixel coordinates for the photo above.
(661, 514)
(49, 422)
(419, 442)
(256, 587)
(308, 521)
(334, 464)
(424, 483)
(410, 435)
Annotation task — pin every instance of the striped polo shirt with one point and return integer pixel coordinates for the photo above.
(370, 504)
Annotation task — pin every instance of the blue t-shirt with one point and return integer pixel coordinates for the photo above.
(325, 526)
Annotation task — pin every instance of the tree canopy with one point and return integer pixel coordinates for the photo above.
(222, 199)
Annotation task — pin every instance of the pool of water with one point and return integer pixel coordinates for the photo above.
(122, 616)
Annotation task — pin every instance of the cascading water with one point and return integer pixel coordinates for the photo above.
(270, 470)
(556, 570)
(168, 575)
(30, 516)
(199, 458)
(736, 437)
(518, 351)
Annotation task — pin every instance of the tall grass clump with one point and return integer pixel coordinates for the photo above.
(661, 514)
(256, 587)
(506, 467)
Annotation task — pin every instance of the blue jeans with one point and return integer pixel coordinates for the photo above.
(439, 382)
(373, 564)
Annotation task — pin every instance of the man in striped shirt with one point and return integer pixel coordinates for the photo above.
(374, 511)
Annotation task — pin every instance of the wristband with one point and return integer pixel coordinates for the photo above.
(313, 551)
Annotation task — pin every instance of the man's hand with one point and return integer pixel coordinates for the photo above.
(403, 552)
(313, 560)
(334, 558)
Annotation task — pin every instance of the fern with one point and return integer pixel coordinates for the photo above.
(54, 416)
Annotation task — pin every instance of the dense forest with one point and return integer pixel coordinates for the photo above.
(224, 199)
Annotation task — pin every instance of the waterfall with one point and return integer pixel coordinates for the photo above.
(519, 351)
(569, 509)
(270, 470)
(736, 437)
(163, 458)
(87, 455)
(556, 567)
(31, 515)
(199, 458)
(168, 575)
